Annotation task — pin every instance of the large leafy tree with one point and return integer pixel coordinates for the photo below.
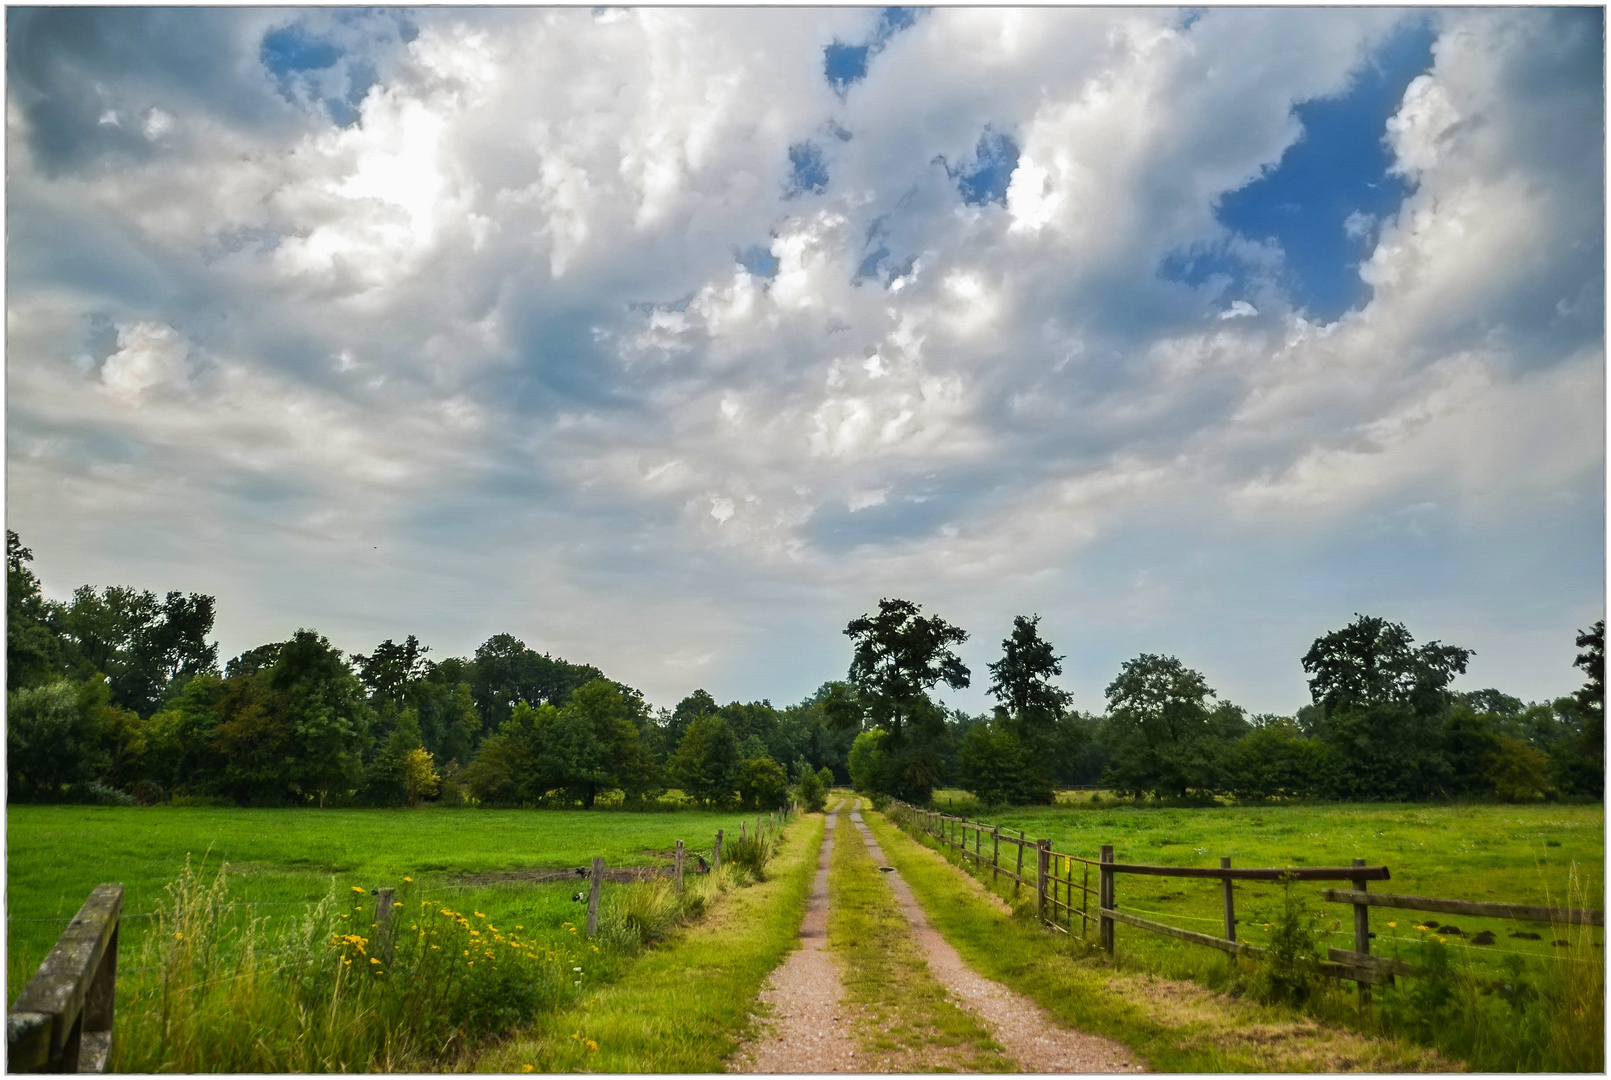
(1579, 761)
(899, 656)
(1029, 710)
(1386, 706)
(506, 672)
(294, 728)
(706, 764)
(1021, 681)
(1165, 737)
(145, 647)
(33, 649)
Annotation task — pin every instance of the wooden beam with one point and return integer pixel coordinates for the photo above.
(1577, 916)
(1297, 873)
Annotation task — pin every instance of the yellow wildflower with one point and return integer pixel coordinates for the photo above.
(436, 946)
(177, 936)
(591, 1045)
(528, 1068)
(1394, 925)
(595, 948)
(357, 888)
(520, 928)
(408, 879)
(479, 915)
(372, 960)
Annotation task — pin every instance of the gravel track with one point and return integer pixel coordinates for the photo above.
(807, 1032)
(1037, 1042)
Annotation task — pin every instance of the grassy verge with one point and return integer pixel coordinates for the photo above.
(1175, 1027)
(904, 1018)
(685, 1005)
(283, 861)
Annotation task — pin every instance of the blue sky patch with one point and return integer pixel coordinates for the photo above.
(808, 173)
(1325, 200)
(844, 65)
(759, 261)
(291, 49)
(994, 161)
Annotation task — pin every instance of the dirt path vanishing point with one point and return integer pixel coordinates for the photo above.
(1031, 1036)
(807, 1033)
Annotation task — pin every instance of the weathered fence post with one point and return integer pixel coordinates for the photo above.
(1362, 931)
(1019, 879)
(384, 899)
(1104, 899)
(1044, 859)
(593, 896)
(1085, 901)
(995, 855)
(743, 831)
(1230, 902)
(716, 852)
(62, 1020)
(679, 867)
(978, 839)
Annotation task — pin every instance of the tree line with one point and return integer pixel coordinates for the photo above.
(1384, 723)
(115, 696)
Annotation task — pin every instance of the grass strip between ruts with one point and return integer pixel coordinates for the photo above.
(904, 1019)
(685, 1004)
(1174, 1027)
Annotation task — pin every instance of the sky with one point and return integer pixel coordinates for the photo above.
(670, 340)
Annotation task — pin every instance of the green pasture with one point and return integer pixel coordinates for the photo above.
(279, 861)
(1543, 854)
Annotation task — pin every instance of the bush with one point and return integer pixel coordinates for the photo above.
(867, 764)
(1288, 971)
(762, 784)
(811, 792)
(750, 853)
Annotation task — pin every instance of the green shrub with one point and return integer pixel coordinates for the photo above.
(750, 853)
(1288, 971)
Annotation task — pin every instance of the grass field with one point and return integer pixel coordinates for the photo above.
(281, 860)
(1531, 998)
(1519, 854)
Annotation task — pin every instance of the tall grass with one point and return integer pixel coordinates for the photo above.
(1543, 1016)
(210, 989)
(213, 991)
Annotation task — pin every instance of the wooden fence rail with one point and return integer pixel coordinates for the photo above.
(1055, 887)
(62, 1020)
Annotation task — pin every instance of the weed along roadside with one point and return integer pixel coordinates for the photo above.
(418, 976)
(684, 1005)
(1504, 1016)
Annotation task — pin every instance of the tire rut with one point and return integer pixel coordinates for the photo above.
(1037, 1042)
(807, 1031)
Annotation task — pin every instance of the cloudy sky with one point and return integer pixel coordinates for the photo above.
(670, 340)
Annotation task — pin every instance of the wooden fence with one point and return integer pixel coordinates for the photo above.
(1054, 885)
(62, 1020)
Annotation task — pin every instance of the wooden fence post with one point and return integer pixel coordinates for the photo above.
(716, 852)
(384, 900)
(1362, 931)
(62, 1020)
(995, 855)
(679, 867)
(1230, 902)
(593, 896)
(1019, 879)
(743, 831)
(1044, 858)
(1104, 899)
(1085, 901)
